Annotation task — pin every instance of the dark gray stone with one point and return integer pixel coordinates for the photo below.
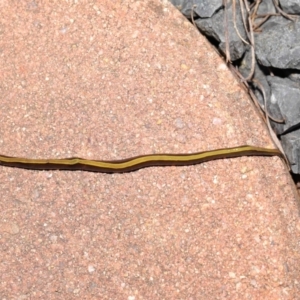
(290, 6)
(189, 7)
(177, 3)
(258, 75)
(278, 45)
(291, 146)
(266, 7)
(202, 8)
(206, 8)
(285, 94)
(215, 27)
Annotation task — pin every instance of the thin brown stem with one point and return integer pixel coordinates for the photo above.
(227, 50)
(234, 22)
(276, 4)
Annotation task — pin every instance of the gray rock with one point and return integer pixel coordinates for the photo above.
(215, 27)
(290, 6)
(266, 7)
(291, 146)
(189, 7)
(285, 52)
(206, 8)
(285, 94)
(294, 77)
(202, 8)
(177, 3)
(245, 68)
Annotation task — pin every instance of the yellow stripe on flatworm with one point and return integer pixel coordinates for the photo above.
(136, 162)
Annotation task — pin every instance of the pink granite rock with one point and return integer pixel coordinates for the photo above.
(113, 79)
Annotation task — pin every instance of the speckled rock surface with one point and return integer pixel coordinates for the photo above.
(115, 80)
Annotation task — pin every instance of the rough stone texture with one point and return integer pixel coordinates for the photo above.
(292, 142)
(245, 70)
(285, 53)
(266, 7)
(284, 104)
(286, 97)
(290, 6)
(120, 79)
(201, 8)
(214, 27)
